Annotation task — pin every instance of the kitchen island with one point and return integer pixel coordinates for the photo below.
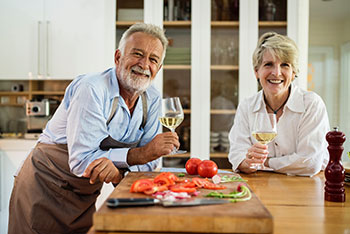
(296, 203)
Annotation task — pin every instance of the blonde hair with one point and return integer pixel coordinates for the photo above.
(150, 29)
(278, 45)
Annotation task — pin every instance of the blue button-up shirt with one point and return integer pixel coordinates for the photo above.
(80, 122)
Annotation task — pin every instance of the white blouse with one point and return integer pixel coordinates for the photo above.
(300, 147)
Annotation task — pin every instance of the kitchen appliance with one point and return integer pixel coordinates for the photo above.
(38, 113)
(34, 108)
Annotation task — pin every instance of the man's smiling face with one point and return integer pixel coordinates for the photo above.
(139, 64)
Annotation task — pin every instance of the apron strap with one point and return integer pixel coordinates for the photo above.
(144, 109)
(114, 109)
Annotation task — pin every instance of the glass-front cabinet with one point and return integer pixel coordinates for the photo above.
(177, 69)
(224, 76)
(208, 62)
(273, 16)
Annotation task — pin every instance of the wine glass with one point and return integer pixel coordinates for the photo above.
(172, 116)
(264, 131)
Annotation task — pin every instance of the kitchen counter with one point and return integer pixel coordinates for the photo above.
(297, 204)
(18, 144)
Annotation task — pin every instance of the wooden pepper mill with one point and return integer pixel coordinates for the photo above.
(335, 173)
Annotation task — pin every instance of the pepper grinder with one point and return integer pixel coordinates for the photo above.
(335, 173)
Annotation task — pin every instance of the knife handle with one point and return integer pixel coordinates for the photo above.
(126, 202)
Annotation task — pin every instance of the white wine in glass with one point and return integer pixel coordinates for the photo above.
(172, 115)
(264, 131)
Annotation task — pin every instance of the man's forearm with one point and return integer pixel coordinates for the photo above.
(137, 156)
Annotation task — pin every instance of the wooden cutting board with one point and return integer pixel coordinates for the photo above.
(241, 217)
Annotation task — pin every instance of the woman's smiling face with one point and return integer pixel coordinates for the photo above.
(275, 75)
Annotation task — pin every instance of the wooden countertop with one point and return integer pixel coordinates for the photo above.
(297, 204)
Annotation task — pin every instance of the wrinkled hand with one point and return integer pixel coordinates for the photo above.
(102, 169)
(255, 154)
(162, 144)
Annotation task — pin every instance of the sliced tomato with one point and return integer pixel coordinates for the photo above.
(183, 180)
(139, 186)
(213, 186)
(180, 189)
(168, 175)
(199, 182)
(163, 180)
(161, 188)
(188, 184)
(205, 183)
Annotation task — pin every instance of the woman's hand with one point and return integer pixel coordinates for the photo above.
(255, 154)
(102, 169)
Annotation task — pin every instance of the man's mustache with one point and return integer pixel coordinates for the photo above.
(140, 70)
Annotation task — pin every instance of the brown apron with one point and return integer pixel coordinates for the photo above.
(47, 198)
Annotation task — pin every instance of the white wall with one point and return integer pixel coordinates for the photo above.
(328, 33)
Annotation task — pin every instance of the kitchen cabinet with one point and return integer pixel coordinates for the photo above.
(57, 39)
(12, 153)
(209, 61)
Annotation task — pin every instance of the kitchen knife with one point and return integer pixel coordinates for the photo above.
(127, 202)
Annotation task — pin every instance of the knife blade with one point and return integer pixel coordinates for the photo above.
(129, 202)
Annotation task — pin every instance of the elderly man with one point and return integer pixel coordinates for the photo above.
(106, 124)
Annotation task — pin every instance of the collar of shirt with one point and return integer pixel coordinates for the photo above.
(295, 101)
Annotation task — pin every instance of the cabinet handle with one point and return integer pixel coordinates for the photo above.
(39, 26)
(47, 48)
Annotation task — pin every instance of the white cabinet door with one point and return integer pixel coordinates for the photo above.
(80, 37)
(10, 161)
(20, 30)
(56, 38)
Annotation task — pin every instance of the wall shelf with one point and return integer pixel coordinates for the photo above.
(177, 23)
(15, 105)
(125, 23)
(222, 112)
(8, 93)
(177, 67)
(225, 24)
(272, 24)
(224, 67)
(187, 111)
(48, 93)
(218, 155)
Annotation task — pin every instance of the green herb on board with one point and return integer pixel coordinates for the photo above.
(226, 179)
(241, 194)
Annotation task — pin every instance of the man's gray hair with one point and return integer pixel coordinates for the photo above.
(150, 29)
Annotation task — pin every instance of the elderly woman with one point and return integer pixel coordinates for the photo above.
(300, 147)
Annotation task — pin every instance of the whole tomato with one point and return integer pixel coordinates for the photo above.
(207, 168)
(191, 166)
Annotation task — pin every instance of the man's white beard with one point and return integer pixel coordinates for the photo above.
(133, 82)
